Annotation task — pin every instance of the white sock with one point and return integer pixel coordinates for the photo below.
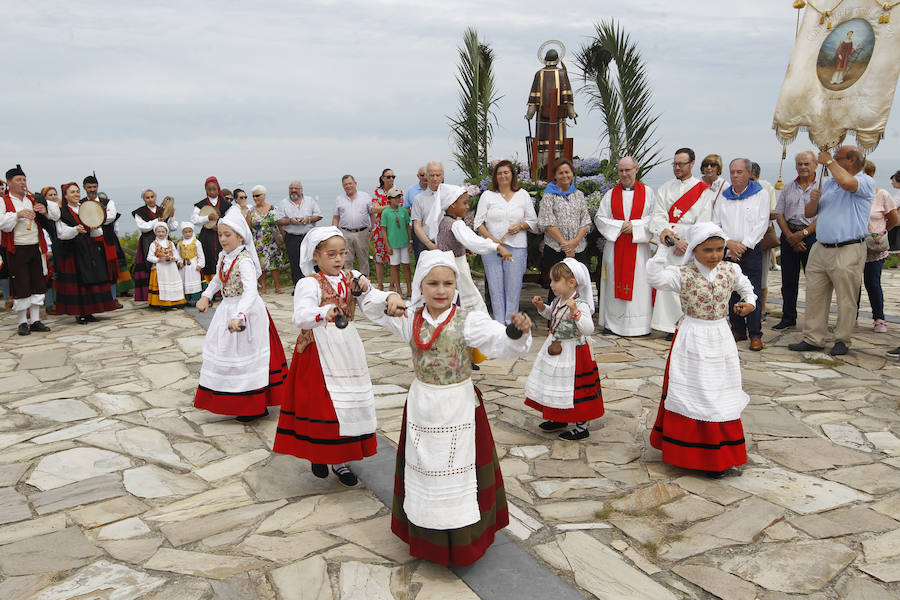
(23, 316)
(35, 313)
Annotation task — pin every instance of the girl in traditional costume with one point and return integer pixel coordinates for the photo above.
(449, 499)
(166, 289)
(192, 263)
(146, 218)
(244, 367)
(564, 384)
(329, 416)
(698, 425)
(82, 277)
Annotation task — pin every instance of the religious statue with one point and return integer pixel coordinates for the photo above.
(552, 100)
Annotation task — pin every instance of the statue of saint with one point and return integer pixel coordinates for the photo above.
(551, 79)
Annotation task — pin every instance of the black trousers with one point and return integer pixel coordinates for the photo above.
(26, 271)
(791, 264)
(292, 243)
(751, 264)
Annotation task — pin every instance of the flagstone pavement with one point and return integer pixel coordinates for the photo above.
(113, 486)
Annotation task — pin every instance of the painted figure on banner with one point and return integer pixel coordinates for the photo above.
(845, 54)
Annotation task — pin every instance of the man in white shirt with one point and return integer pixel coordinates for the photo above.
(423, 204)
(297, 214)
(680, 203)
(22, 221)
(623, 218)
(353, 215)
(743, 214)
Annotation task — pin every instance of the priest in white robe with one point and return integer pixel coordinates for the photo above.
(623, 218)
(680, 203)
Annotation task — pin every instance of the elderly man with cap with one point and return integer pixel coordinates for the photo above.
(353, 216)
(298, 213)
(110, 238)
(838, 257)
(22, 221)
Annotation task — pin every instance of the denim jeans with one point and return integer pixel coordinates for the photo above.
(504, 281)
(872, 281)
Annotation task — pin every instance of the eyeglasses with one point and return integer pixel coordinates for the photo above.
(708, 165)
(332, 254)
(257, 195)
(420, 174)
(390, 176)
(681, 164)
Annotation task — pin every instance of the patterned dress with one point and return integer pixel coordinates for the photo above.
(272, 255)
(382, 252)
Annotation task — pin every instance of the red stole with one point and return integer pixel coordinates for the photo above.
(625, 250)
(686, 202)
(8, 239)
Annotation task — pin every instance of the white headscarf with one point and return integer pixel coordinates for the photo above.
(428, 260)
(187, 225)
(234, 219)
(699, 233)
(161, 224)
(312, 239)
(445, 195)
(582, 280)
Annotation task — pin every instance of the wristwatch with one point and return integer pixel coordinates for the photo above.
(829, 162)
(806, 233)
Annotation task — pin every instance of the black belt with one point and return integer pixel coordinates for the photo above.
(840, 244)
(294, 234)
(355, 230)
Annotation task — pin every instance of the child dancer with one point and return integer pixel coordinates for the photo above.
(329, 419)
(395, 220)
(192, 263)
(243, 368)
(166, 289)
(564, 384)
(449, 498)
(698, 425)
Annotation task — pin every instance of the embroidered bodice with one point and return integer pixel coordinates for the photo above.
(233, 287)
(447, 361)
(188, 250)
(341, 298)
(705, 299)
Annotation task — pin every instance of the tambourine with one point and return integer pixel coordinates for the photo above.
(205, 212)
(168, 209)
(91, 214)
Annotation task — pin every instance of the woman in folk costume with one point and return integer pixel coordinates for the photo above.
(146, 218)
(564, 384)
(698, 425)
(328, 417)
(82, 277)
(166, 289)
(244, 367)
(192, 262)
(207, 236)
(449, 499)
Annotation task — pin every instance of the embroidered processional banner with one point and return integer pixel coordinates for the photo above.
(842, 74)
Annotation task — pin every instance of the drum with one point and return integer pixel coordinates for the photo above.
(168, 208)
(92, 214)
(205, 212)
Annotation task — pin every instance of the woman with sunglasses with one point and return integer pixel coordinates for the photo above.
(271, 252)
(379, 236)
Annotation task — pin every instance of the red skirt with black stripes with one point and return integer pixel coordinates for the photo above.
(694, 444)
(308, 426)
(588, 401)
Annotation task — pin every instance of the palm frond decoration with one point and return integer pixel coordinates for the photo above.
(615, 80)
(473, 125)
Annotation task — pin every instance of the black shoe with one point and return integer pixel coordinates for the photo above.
(839, 349)
(575, 434)
(717, 474)
(81, 320)
(345, 475)
(783, 325)
(608, 331)
(804, 346)
(895, 353)
(23, 329)
(90, 319)
(670, 337)
(475, 367)
(248, 418)
(38, 326)
(320, 471)
(552, 425)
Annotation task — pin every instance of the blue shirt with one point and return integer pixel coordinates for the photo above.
(411, 193)
(844, 216)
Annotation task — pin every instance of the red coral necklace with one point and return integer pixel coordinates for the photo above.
(417, 329)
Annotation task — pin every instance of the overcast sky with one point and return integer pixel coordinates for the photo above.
(275, 90)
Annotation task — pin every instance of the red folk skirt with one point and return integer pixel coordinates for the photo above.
(308, 426)
(253, 402)
(467, 544)
(693, 444)
(588, 396)
(74, 298)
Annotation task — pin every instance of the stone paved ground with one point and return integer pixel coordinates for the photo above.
(113, 486)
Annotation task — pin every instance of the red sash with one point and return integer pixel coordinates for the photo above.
(686, 202)
(8, 239)
(625, 250)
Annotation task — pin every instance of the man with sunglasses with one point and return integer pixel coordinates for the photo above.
(680, 203)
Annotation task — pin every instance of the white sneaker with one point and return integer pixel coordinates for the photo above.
(880, 326)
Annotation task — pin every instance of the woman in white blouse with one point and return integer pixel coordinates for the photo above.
(505, 213)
